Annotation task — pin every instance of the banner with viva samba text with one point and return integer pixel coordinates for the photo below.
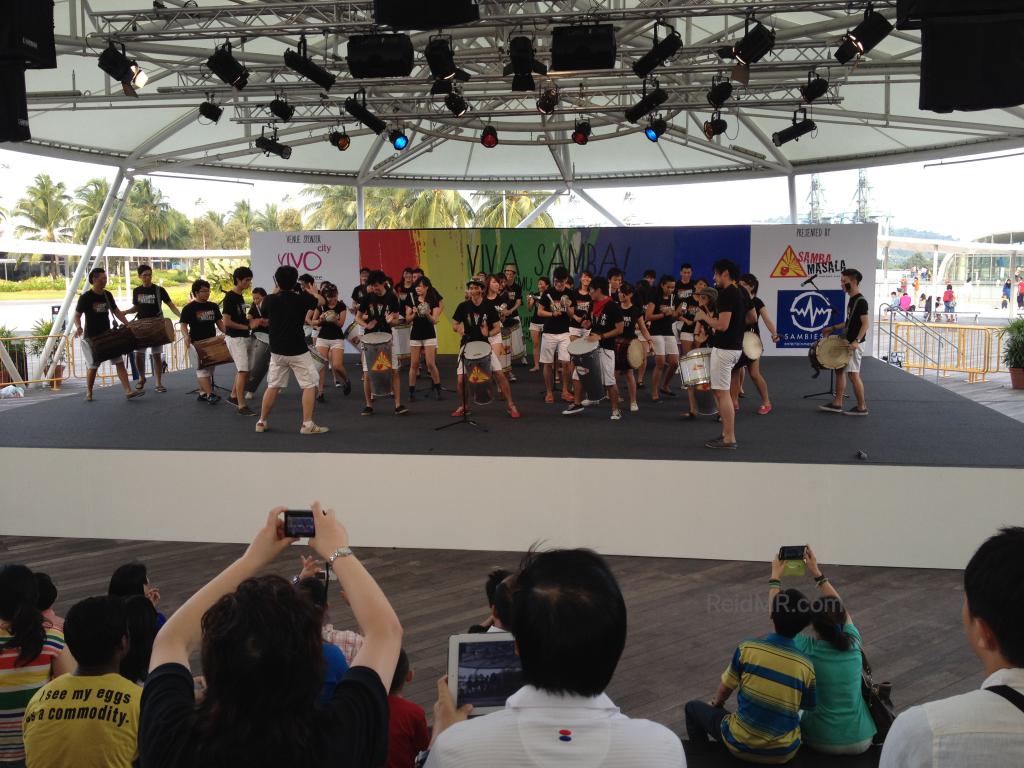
(450, 256)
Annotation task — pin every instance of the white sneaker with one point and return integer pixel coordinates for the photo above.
(587, 403)
(261, 426)
(633, 407)
(312, 429)
(249, 395)
(616, 414)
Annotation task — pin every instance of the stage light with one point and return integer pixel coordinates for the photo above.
(548, 100)
(489, 137)
(720, 92)
(441, 59)
(754, 46)
(126, 71)
(816, 87)
(795, 131)
(227, 68)
(650, 102)
(281, 109)
(456, 104)
(716, 126)
(380, 56)
(583, 46)
(523, 65)
(865, 36)
(309, 69)
(398, 139)
(358, 110)
(663, 49)
(655, 128)
(271, 146)
(210, 111)
(339, 139)
(581, 134)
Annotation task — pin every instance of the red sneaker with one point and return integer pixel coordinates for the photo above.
(460, 411)
(514, 412)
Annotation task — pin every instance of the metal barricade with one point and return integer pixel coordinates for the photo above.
(974, 350)
(25, 352)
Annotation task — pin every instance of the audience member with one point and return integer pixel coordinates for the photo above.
(335, 664)
(133, 579)
(494, 622)
(775, 681)
(47, 597)
(89, 719)
(142, 627)
(984, 727)
(348, 641)
(905, 302)
(408, 734)
(263, 667)
(569, 623)
(31, 653)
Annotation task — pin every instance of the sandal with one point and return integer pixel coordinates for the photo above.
(161, 388)
(689, 415)
(140, 384)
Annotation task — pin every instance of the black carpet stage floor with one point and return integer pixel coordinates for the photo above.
(912, 422)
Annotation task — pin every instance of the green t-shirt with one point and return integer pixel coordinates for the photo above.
(841, 716)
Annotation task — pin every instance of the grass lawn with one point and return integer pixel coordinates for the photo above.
(178, 294)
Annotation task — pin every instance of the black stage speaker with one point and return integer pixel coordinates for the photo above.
(380, 55)
(13, 107)
(583, 46)
(425, 14)
(26, 34)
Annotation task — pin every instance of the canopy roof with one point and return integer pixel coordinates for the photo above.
(868, 116)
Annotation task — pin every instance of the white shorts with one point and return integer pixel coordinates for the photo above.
(665, 345)
(329, 344)
(679, 333)
(854, 365)
(538, 327)
(495, 364)
(423, 342)
(152, 350)
(193, 356)
(606, 359)
(552, 342)
(239, 349)
(722, 363)
(302, 366)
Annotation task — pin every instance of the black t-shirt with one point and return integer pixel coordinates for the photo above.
(234, 308)
(287, 312)
(535, 318)
(757, 305)
(629, 317)
(359, 294)
(375, 307)
(95, 308)
(331, 329)
(604, 322)
(581, 300)
(422, 327)
(557, 323)
(201, 318)
(732, 300)
(149, 301)
(402, 293)
(684, 296)
(644, 293)
(473, 317)
(351, 730)
(512, 294)
(666, 304)
(856, 309)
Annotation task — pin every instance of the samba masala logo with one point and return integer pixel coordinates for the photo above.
(807, 264)
(802, 315)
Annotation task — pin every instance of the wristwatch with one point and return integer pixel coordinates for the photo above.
(339, 552)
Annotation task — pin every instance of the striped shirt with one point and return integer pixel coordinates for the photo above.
(18, 684)
(775, 682)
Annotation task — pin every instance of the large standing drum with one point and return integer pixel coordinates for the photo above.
(505, 355)
(518, 343)
(111, 345)
(476, 364)
(212, 352)
(152, 332)
(585, 356)
(377, 362)
(695, 368)
(402, 335)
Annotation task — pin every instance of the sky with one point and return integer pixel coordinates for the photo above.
(965, 200)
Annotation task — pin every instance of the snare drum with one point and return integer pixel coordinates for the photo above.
(695, 368)
(377, 362)
(585, 356)
(352, 334)
(211, 352)
(476, 362)
(111, 345)
(319, 360)
(152, 332)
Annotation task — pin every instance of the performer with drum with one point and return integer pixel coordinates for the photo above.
(579, 312)
(495, 297)
(536, 321)
(606, 321)
(475, 320)
(200, 320)
(553, 309)
(511, 321)
(238, 335)
(422, 311)
(330, 341)
(856, 327)
(260, 362)
(403, 331)
(147, 302)
(379, 313)
(749, 284)
(683, 328)
(628, 356)
(96, 305)
(661, 313)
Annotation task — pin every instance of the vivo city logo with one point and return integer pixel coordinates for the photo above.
(308, 261)
(810, 311)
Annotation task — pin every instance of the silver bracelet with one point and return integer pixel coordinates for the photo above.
(339, 552)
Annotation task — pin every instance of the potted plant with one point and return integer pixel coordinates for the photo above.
(1013, 352)
(16, 349)
(40, 331)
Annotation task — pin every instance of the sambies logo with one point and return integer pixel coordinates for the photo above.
(802, 315)
(807, 264)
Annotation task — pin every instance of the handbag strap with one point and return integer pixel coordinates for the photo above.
(1012, 695)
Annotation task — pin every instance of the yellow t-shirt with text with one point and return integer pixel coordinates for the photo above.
(88, 721)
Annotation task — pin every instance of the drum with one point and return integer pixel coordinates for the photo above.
(352, 333)
(423, 309)
(752, 346)
(329, 316)
(401, 336)
(112, 345)
(505, 355)
(377, 362)
(518, 343)
(152, 332)
(211, 352)
(476, 362)
(695, 368)
(705, 397)
(636, 354)
(319, 360)
(585, 355)
(830, 353)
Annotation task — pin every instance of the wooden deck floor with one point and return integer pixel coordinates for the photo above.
(686, 616)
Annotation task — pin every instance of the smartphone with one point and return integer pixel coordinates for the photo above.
(793, 560)
(298, 524)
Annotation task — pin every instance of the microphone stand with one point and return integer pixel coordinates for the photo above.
(831, 391)
(465, 397)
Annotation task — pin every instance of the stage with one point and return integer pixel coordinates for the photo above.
(939, 468)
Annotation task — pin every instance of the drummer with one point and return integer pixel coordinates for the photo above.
(858, 322)
(239, 336)
(403, 331)
(633, 326)
(260, 362)
(422, 311)
(200, 320)
(579, 312)
(660, 312)
(536, 321)
(380, 312)
(96, 305)
(750, 284)
(147, 302)
(552, 309)
(683, 328)
(513, 301)
(606, 321)
(330, 341)
(475, 320)
(495, 297)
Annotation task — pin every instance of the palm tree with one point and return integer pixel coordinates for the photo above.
(439, 208)
(179, 231)
(217, 219)
(508, 209)
(207, 231)
(243, 215)
(45, 214)
(330, 206)
(388, 208)
(150, 211)
(269, 219)
(291, 220)
(89, 199)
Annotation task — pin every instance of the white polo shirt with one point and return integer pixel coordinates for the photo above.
(548, 730)
(977, 728)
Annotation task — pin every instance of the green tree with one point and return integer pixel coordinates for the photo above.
(508, 209)
(150, 211)
(179, 231)
(439, 208)
(89, 200)
(388, 208)
(45, 213)
(236, 235)
(291, 220)
(330, 206)
(269, 219)
(207, 232)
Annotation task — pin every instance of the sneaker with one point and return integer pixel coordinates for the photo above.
(459, 412)
(320, 398)
(549, 398)
(246, 411)
(202, 397)
(718, 442)
(633, 407)
(401, 410)
(830, 408)
(587, 403)
(367, 411)
(512, 378)
(572, 409)
(312, 429)
(211, 399)
(261, 426)
(616, 415)
(764, 410)
(249, 395)
(338, 384)
(855, 411)
(514, 412)
(346, 388)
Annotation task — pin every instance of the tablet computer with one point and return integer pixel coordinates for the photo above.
(483, 670)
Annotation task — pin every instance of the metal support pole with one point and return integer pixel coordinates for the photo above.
(122, 201)
(792, 198)
(360, 207)
(598, 207)
(538, 211)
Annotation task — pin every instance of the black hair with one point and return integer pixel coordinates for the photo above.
(95, 272)
(627, 288)
(18, 600)
(601, 283)
(502, 605)
(198, 285)
(129, 579)
(650, 273)
(560, 273)
(686, 265)
(286, 277)
(855, 274)
(316, 591)
(364, 269)
(701, 280)
(142, 625)
(726, 265)
(259, 291)
(614, 272)
(477, 283)
(143, 268)
(376, 277)
(569, 620)
(240, 274)
(791, 612)
(665, 280)
(418, 271)
(994, 588)
(94, 630)
(949, 286)
(750, 280)
(828, 620)
(46, 591)
(586, 272)
(494, 578)
(401, 670)
(546, 281)
(306, 279)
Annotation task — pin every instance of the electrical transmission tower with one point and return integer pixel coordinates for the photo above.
(816, 201)
(863, 197)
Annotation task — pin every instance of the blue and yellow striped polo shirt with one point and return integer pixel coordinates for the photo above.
(775, 682)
